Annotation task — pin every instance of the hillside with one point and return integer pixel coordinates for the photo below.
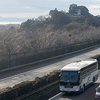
(58, 29)
(97, 17)
(76, 13)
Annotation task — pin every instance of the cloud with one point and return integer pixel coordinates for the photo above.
(23, 15)
(94, 6)
(35, 8)
(94, 9)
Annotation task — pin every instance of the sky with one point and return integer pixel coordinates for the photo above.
(34, 8)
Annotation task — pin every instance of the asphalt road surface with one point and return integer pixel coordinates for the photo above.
(10, 78)
(89, 94)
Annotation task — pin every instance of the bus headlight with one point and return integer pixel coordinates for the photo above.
(60, 89)
(76, 89)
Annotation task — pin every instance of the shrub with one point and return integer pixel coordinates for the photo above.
(27, 86)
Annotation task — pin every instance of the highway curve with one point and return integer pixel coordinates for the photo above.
(12, 77)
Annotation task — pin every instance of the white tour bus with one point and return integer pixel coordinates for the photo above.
(76, 77)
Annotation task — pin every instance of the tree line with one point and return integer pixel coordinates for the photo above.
(59, 28)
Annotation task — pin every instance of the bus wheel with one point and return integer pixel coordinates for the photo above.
(93, 81)
(83, 88)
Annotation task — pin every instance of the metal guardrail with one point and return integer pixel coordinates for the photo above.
(24, 65)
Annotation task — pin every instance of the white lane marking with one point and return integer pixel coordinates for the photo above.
(55, 96)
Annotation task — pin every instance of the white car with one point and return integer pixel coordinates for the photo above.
(97, 94)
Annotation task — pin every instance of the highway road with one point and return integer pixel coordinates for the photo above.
(12, 77)
(89, 94)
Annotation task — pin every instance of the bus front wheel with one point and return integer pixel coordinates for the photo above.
(93, 81)
(83, 88)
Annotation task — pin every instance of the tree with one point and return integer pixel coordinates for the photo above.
(9, 43)
(73, 9)
(84, 10)
(41, 18)
(27, 24)
(59, 18)
(52, 13)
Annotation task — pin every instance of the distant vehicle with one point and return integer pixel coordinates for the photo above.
(97, 94)
(76, 77)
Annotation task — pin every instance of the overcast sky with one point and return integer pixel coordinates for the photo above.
(36, 8)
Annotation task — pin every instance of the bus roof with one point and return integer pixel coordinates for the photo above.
(78, 65)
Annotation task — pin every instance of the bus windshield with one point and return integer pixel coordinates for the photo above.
(69, 76)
